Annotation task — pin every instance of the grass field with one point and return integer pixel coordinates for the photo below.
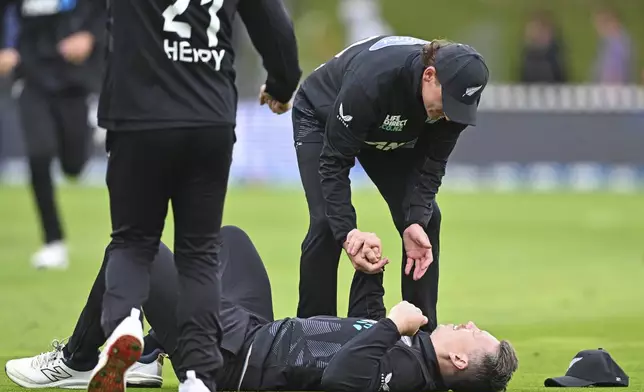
(554, 274)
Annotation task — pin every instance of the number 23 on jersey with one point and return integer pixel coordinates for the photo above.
(180, 49)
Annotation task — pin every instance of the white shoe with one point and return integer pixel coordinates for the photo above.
(122, 350)
(192, 383)
(147, 372)
(48, 370)
(51, 256)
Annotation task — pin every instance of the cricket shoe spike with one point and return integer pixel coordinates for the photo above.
(122, 350)
(192, 383)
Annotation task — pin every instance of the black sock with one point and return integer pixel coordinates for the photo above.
(150, 344)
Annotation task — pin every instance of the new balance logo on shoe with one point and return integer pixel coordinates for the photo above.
(55, 373)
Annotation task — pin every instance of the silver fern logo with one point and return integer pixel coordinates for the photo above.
(384, 382)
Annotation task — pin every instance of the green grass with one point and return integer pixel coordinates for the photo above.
(554, 274)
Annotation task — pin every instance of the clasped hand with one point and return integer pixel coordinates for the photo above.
(365, 251)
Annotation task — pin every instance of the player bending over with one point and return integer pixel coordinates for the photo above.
(319, 353)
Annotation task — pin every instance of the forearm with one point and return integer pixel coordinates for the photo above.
(424, 185)
(9, 25)
(336, 189)
(422, 192)
(272, 34)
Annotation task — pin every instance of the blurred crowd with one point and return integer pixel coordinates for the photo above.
(544, 52)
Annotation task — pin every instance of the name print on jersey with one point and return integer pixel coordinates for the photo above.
(181, 49)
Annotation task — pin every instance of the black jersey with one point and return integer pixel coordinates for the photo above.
(170, 62)
(340, 354)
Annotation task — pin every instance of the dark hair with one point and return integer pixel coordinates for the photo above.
(430, 49)
(487, 373)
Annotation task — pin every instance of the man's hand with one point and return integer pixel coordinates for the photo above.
(360, 263)
(369, 243)
(9, 59)
(77, 47)
(275, 106)
(407, 318)
(364, 257)
(418, 250)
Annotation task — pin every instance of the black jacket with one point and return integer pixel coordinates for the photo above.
(171, 61)
(369, 97)
(340, 354)
(43, 25)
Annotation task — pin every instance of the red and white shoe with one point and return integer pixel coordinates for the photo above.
(122, 350)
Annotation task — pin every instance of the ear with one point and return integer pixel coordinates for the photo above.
(429, 74)
(460, 361)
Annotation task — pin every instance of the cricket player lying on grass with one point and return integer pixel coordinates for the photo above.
(319, 353)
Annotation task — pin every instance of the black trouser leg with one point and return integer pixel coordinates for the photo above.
(318, 286)
(198, 205)
(190, 167)
(139, 183)
(424, 292)
(82, 350)
(42, 187)
(391, 172)
(39, 131)
(74, 135)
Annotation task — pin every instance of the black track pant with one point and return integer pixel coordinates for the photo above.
(54, 125)
(246, 302)
(390, 172)
(146, 171)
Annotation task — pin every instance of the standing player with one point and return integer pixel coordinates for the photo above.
(59, 57)
(398, 105)
(168, 104)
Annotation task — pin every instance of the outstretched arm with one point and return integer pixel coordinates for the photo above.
(271, 31)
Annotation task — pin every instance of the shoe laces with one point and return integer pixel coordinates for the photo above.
(45, 359)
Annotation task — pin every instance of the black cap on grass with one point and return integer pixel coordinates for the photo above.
(591, 368)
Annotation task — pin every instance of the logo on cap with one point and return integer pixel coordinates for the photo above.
(472, 90)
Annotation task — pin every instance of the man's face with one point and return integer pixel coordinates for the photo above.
(464, 342)
(432, 94)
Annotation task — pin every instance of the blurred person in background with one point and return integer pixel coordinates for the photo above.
(542, 59)
(362, 19)
(8, 60)
(59, 58)
(613, 63)
(398, 105)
